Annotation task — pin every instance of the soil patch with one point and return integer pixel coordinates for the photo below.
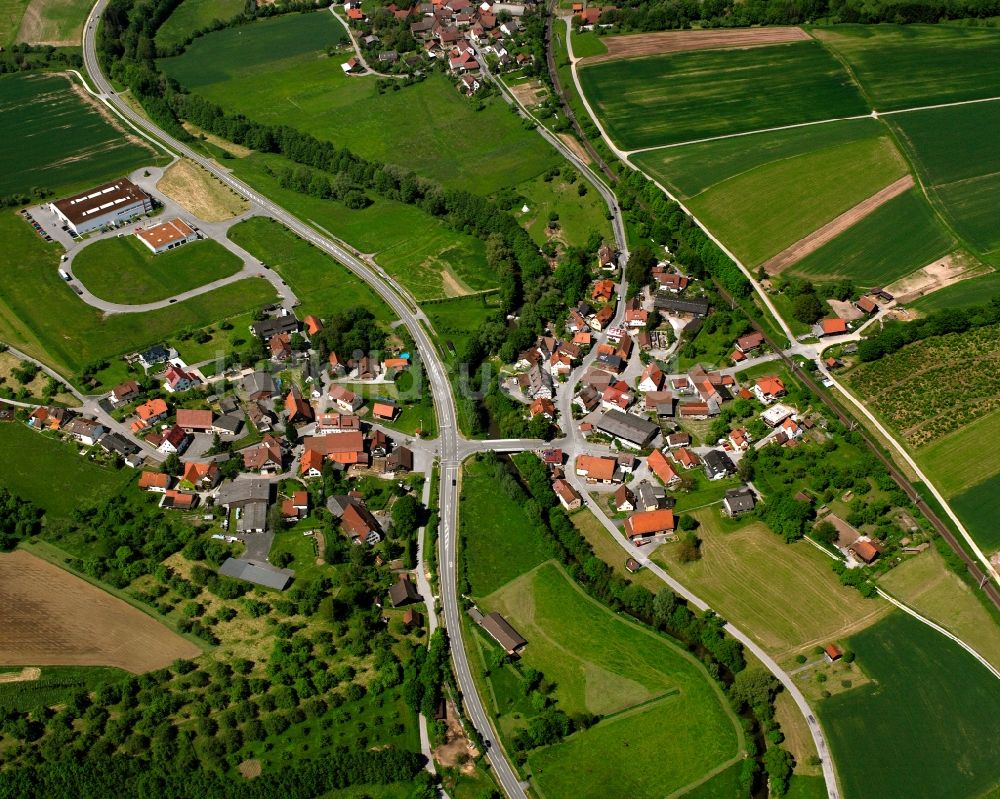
(643, 44)
(456, 751)
(38, 24)
(845, 310)
(829, 231)
(453, 287)
(527, 93)
(250, 768)
(200, 193)
(574, 144)
(27, 674)
(943, 272)
(53, 618)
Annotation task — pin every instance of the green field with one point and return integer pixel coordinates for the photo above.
(979, 508)
(25, 455)
(936, 705)
(456, 320)
(964, 294)
(688, 96)
(58, 141)
(56, 686)
(68, 334)
(955, 152)
(322, 285)
(194, 15)
(55, 22)
(588, 44)
(124, 270)
(578, 216)
(397, 234)
(926, 584)
(498, 540)
(961, 458)
(902, 66)
(11, 13)
(748, 574)
(277, 71)
(762, 211)
(898, 238)
(656, 699)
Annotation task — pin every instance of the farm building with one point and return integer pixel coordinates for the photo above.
(110, 204)
(258, 573)
(500, 631)
(631, 430)
(166, 236)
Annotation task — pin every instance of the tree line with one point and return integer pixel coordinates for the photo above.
(19, 520)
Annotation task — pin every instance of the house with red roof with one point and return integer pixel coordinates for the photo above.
(686, 458)
(203, 476)
(650, 525)
(661, 467)
(832, 327)
(156, 482)
(769, 389)
(652, 378)
(194, 421)
(174, 442)
(178, 379)
(296, 407)
(265, 457)
(384, 410)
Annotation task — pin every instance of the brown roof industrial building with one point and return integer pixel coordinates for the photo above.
(111, 204)
(167, 235)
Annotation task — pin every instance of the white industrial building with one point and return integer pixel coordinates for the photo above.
(167, 235)
(110, 204)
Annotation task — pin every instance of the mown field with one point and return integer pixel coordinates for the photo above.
(58, 141)
(895, 239)
(68, 334)
(55, 22)
(588, 44)
(25, 454)
(961, 458)
(961, 295)
(322, 285)
(929, 698)
(395, 233)
(657, 699)
(124, 270)
(749, 575)
(926, 584)
(11, 12)
(278, 71)
(955, 153)
(457, 319)
(902, 66)
(498, 540)
(688, 96)
(763, 210)
(194, 15)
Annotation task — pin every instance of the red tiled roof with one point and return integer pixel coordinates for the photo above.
(649, 522)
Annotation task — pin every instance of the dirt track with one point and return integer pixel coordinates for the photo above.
(935, 276)
(642, 44)
(52, 618)
(803, 247)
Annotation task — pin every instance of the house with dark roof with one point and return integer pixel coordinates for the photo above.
(629, 429)
(257, 572)
(718, 464)
(499, 630)
(403, 592)
(738, 501)
(697, 307)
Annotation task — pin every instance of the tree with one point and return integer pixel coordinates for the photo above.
(640, 266)
(807, 308)
(778, 764)
(753, 687)
(825, 533)
(172, 465)
(405, 516)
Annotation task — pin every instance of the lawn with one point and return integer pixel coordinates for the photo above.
(979, 508)
(927, 585)
(498, 539)
(751, 577)
(688, 96)
(898, 238)
(578, 216)
(324, 286)
(396, 234)
(931, 704)
(86, 151)
(691, 169)
(954, 150)
(416, 406)
(762, 211)
(588, 44)
(56, 686)
(901, 66)
(122, 269)
(66, 333)
(657, 700)
(607, 549)
(26, 455)
(277, 71)
(194, 15)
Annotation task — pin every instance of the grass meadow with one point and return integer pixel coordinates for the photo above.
(578, 216)
(322, 285)
(932, 706)
(688, 96)
(427, 257)
(588, 44)
(68, 334)
(55, 22)
(498, 540)
(277, 71)
(124, 270)
(979, 508)
(457, 319)
(194, 15)
(926, 584)
(11, 13)
(763, 210)
(962, 458)
(955, 153)
(27, 454)
(895, 239)
(964, 294)
(901, 66)
(748, 575)
(59, 141)
(656, 699)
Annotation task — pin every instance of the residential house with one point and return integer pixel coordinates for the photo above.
(629, 429)
(672, 306)
(124, 392)
(616, 396)
(738, 501)
(313, 324)
(228, 424)
(174, 442)
(768, 389)
(661, 467)
(296, 506)
(203, 476)
(552, 457)
(284, 322)
(678, 439)
(831, 327)
(659, 402)
(568, 496)
(652, 378)
(544, 407)
(333, 423)
(265, 457)
(345, 450)
(86, 431)
(607, 258)
(865, 551)
(49, 418)
(537, 383)
(650, 496)
(154, 355)
(403, 592)
(178, 500)
(718, 465)
(791, 428)
(739, 439)
(669, 281)
(589, 399)
(155, 482)
(867, 304)
(400, 460)
(646, 526)
(603, 318)
(383, 409)
(598, 469)
(624, 499)
(346, 400)
(603, 291)
(575, 323)
(281, 347)
(194, 421)
(359, 524)
(777, 414)
(259, 386)
(178, 379)
(260, 417)
(297, 409)
(685, 458)
(749, 342)
(151, 411)
(125, 448)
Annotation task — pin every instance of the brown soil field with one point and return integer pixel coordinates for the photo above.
(643, 44)
(27, 674)
(803, 247)
(527, 94)
(53, 618)
(456, 751)
(200, 193)
(943, 272)
(574, 144)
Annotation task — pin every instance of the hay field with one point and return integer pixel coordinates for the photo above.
(200, 193)
(53, 618)
(643, 44)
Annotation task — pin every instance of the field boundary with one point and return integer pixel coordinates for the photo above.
(640, 45)
(809, 244)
